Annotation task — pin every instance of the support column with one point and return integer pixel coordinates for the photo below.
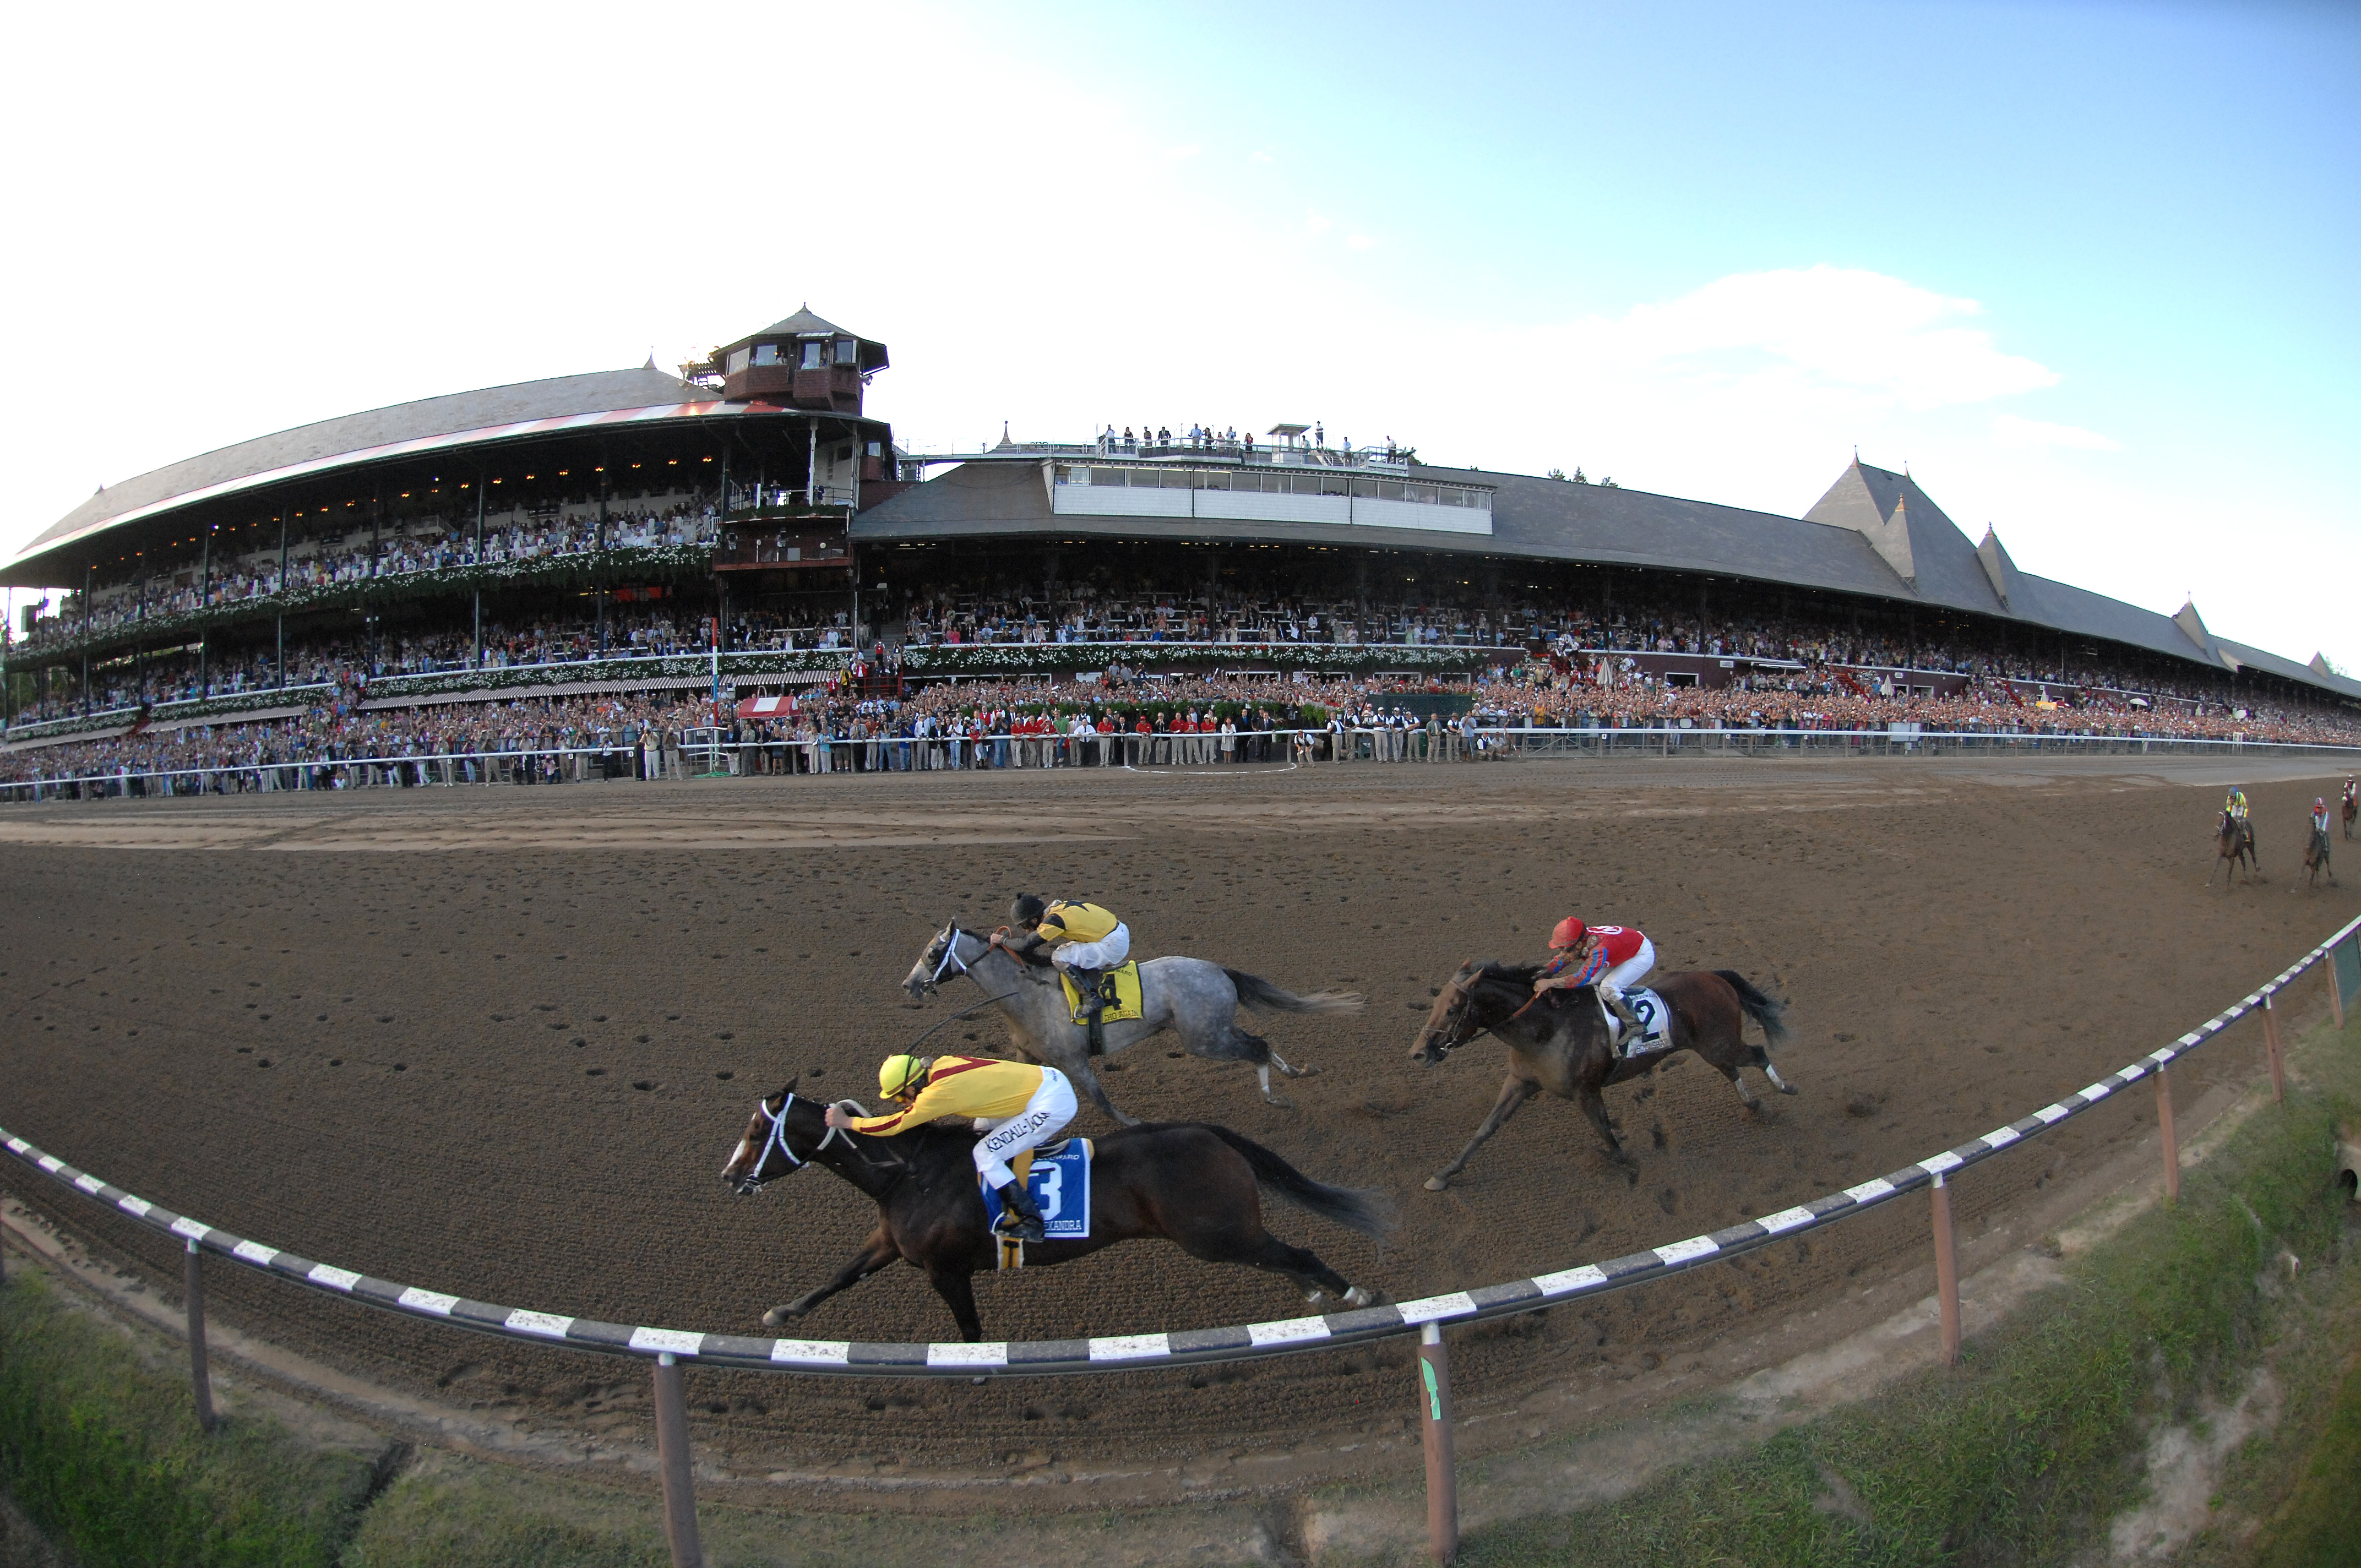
(2271, 1048)
(602, 557)
(481, 502)
(1947, 1273)
(279, 620)
(2164, 1125)
(1435, 1432)
(673, 1460)
(192, 1288)
(204, 601)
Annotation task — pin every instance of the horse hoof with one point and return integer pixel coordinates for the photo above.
(1356, 1296)
(1789, 1089)
(1278, 1102)
(1307, 1073)
(1436, 1184)
(780, 1317)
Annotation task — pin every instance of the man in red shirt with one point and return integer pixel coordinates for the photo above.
(1612, 957)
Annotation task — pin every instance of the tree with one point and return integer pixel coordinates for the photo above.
(1580, 477)
(1609, 483)
(1557, 472)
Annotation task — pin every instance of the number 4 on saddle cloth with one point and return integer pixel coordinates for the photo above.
(1059, 1178)
(1118, 988)
(1655, 1025)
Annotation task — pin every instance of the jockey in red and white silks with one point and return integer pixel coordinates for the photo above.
(1615, 959)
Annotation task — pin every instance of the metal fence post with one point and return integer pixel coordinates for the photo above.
(2271, 1047)
(1434, 1423)
(672, 1460)
(2164, 1125)
(1947, 1273)
(192, 1289)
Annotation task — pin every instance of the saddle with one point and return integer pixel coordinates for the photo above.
(1058, 1176)
(1118, 995)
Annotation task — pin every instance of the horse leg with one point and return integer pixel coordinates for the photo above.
(1593, 1106)
(1082, 1077)
(874, 1254)
(1762, 1060)
(957, 1289)
(1279, 1062)
(1513, 1093)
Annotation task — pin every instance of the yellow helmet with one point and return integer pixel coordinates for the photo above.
(900, 1075)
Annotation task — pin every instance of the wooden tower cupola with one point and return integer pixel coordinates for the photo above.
(802, 362)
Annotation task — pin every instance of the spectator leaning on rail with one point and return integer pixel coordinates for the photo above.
(1082, 939)
(1614, 957)
(1016, 1105)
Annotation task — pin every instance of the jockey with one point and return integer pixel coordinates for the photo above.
(1082, 939)
(1612, 957)
(2235, 805)
(1014, 1104)
(2319, 816)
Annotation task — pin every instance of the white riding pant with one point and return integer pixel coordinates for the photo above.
(1051, 1107)
(1629, 972)
(1107, 953)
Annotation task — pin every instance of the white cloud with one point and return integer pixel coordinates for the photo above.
(1822, 327)
(1260, 157)
(1189, 149)
(1359, 242)
(1315, 223)
(2012, 431)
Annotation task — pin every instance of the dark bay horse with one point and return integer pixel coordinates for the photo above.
(2315, 861)
(1197, 1185)
(2233, 840)
(1557, 1041)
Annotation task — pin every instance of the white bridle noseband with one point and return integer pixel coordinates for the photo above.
(753, 1179)
(951, 934)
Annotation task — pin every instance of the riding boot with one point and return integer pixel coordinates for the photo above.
(1632, 1027)
(1016, 1202)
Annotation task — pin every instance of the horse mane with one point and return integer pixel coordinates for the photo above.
(1518, 974)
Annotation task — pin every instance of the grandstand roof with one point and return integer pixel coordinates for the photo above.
(486, 413)
(1874, 534)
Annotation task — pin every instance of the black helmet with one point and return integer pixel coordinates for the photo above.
(1025, 910)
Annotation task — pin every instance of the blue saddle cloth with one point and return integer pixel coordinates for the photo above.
(1059, 1182)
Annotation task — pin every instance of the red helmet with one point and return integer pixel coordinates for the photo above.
(1569, 933)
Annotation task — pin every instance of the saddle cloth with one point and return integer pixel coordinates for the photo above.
(1059, 1177)
(1655, 1020)
(1126, 1003)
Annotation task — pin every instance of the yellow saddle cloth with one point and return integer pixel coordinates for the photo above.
(1127, 1002)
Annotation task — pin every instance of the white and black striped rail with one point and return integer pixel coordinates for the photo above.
(1131, 1351)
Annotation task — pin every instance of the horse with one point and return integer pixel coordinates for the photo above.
(1557, 1041)
(1197, 1185)
(2315, 861)
(1196, 999)
(2233, 840)
(2352, 809)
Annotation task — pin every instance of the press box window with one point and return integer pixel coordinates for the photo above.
(812, 352)
(766, 354)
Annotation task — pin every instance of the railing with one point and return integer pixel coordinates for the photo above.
(925, 753)
(669, 1347)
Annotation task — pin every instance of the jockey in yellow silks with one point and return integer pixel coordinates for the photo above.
(2235, 805)
(1085, 939)
(1016, 1105)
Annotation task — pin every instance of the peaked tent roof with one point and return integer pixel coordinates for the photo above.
(803, 324)
(558, 396)
(1926, 549)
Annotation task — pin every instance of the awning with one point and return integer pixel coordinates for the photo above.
(771, 704)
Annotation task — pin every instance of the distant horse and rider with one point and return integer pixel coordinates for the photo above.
(2315, 848)
(1193, 998)
(2234, 839)
(1563, 1038)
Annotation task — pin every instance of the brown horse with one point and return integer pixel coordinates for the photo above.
(1557, 1040)
(1196, 1185)
(2233, 840)
(2315, 861)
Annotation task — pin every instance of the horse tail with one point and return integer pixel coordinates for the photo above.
(1770, 1015)
(1364, 1209)
(1264, 997)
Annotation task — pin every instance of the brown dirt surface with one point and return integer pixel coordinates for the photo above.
(499, 1044)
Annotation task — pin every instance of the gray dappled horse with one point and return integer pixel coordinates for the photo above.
(1196, 999)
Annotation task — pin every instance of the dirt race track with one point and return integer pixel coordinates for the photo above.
(499, 1044)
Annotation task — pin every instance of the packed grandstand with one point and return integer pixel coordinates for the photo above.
(621, 561)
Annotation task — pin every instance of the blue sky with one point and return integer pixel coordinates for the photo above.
(2086, 269)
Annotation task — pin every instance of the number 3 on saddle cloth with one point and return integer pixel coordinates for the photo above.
(1120, 988)
(1059, 1177)
(1655, 1025)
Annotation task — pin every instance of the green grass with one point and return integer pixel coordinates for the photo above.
(2022, 1454)
(101, 1452)
(452, 1514)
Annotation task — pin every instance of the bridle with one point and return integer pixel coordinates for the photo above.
(754, 1180)
(1462, 998)
(951, 959)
